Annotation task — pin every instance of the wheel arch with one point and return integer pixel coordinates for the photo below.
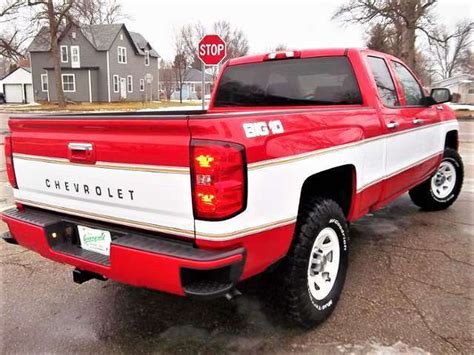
(452, 140)
(338, 183)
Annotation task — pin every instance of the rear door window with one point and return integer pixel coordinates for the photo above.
(312, 81)
(384, 81)
(411, 89)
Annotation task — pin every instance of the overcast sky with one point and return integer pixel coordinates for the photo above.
(295, 23)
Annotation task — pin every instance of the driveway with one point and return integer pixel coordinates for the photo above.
(409, 289)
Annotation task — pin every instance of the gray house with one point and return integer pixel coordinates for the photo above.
(100, 63)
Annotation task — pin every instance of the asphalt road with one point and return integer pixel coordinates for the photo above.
(409, 289)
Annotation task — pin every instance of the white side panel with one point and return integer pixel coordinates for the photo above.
(150, 200)
(274, 187)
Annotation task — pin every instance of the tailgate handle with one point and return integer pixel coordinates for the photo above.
(80, 146)
(81, 153)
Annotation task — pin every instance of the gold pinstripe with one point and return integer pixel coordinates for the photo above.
(106, 165)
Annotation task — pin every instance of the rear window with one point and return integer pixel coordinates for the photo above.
(313, 81)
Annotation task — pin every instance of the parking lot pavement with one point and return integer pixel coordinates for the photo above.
(409, 289)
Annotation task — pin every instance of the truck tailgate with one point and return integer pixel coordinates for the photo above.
(123, 170)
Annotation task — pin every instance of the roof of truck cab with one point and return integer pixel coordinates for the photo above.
(305, 53)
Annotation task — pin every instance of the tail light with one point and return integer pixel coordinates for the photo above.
(219, 179)
(9, 161)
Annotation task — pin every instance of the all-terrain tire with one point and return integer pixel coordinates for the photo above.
(429, 195)
(316, 217)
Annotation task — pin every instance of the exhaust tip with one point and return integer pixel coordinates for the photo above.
(233, 294)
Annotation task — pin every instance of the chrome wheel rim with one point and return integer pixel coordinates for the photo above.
(323, 263)
(443, 182)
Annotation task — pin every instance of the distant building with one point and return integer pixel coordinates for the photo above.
(100, 63)
(461, 86)
(17, 86)
(191, 85)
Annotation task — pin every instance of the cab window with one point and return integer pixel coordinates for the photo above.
(411, 89)
(383, 80)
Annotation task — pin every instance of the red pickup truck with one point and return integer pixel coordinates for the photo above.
(294, 146)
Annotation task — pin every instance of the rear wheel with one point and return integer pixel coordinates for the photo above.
(315, 268)
(443, 188)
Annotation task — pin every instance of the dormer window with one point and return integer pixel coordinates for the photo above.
(64, 54)
(147, 57)
(122, 55)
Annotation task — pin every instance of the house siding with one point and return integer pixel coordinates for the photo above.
(135, 67)
(96, 62)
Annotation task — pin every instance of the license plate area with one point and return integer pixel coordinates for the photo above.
(94, 240)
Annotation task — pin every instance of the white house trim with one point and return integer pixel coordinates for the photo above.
(122, 54)
(44, 80)
(90, 86)
(108, 76)
(73, 82)
(75, 63)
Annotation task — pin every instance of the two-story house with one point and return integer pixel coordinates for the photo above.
(99, 63)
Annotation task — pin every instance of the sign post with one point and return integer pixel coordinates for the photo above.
(211, 51)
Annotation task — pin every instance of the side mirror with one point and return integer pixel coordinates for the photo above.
(441, 95)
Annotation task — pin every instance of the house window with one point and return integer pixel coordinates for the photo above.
(116, 83)
(69, 82)
(147, 58)
(121, 36)
(122, 55)
(64, 54)
(44, 82)
(129, 83)
(75, 57)
(142, 84)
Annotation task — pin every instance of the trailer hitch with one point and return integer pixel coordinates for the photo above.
(80, 276)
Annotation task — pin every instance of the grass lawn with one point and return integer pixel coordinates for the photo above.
(96, 106)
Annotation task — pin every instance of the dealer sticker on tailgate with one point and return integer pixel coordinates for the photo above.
(95, 240)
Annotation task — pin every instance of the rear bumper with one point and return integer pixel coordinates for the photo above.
(136, 258)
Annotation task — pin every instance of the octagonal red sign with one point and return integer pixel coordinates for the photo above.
(212, 49)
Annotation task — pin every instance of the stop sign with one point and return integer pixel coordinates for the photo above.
(211, 49)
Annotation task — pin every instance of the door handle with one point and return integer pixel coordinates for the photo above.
(417, 121)
(392, 125)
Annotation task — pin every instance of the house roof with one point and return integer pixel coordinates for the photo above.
(454, 80)
(100, 36)
(195, 75)
(13, 77)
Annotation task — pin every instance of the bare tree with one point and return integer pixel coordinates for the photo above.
(13, 38)
(451, 50)
(182, 61)
(191, 35)
(236, 40)
(383, 39)
(9, 9)
(94, 12)
(279, 47)
(405, 17)
(54, 15)
(166, 78)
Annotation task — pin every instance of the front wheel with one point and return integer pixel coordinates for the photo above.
(315, 269)
(443, 188)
